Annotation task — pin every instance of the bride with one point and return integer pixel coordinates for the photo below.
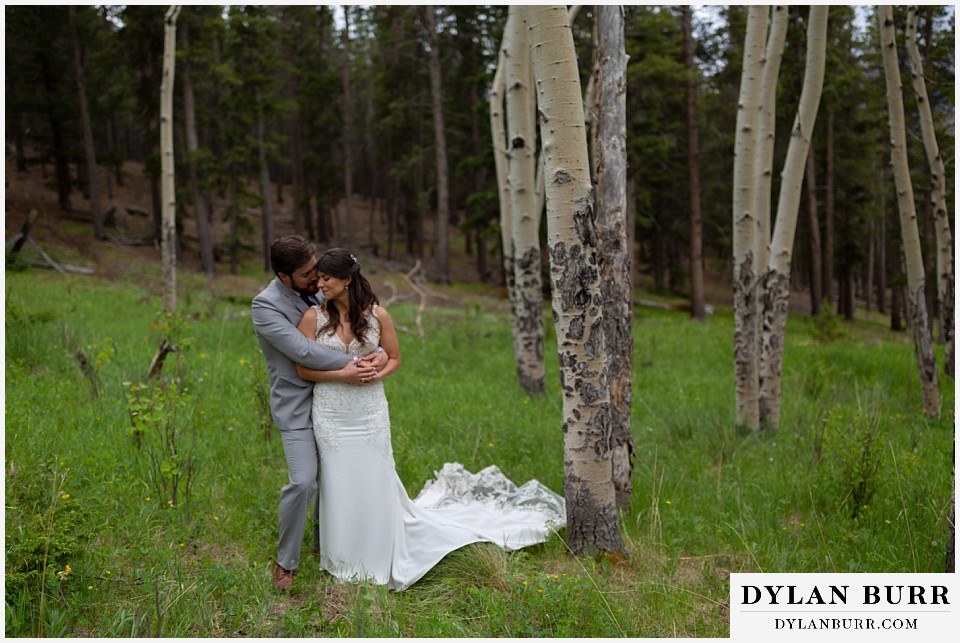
(370, 530)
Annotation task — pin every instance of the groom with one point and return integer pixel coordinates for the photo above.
(276, 312)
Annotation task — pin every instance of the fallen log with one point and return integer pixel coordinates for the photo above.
(156, 364)
(21, 237)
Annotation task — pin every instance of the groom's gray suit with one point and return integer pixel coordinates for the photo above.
(276, 312)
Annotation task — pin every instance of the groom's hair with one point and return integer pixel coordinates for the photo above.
(289, 253)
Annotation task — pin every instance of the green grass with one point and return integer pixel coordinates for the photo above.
(707, 500)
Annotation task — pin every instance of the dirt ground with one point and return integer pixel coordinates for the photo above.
(68, 238)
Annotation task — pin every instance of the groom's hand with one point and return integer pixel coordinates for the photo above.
(378, 359)
(358, 372)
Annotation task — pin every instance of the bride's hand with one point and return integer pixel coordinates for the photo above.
(378, 359)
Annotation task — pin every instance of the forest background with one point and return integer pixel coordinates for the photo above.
(280, 111)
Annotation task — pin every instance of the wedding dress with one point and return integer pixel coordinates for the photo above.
(370, 530)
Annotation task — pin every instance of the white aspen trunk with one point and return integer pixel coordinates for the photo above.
(592, 521)
(922, 340)
(521, 126)
(440, 145)
(90, 153)
(615, 266)
(746, 269)
(168, 228)
(501, 163)
(938, 192)
(777, 276)
(766, 132)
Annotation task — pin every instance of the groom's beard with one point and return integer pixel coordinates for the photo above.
(310, 289)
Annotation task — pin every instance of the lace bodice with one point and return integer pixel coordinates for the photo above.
(356, 348)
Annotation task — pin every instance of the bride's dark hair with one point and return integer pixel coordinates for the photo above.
(340, 263)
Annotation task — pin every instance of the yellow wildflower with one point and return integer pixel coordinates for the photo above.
(65, 496)
(66, 572)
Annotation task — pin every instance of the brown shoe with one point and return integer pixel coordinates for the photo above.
(282, 578)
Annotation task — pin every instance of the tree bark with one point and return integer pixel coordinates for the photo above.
(615, 267)
(776, 302)
(521, 127)
(697, 307)
(938, 192)
(816, 249)
(616, 270)
(266, 204)
(592, 521)
(829, 215)
(882, 245)
(746, 268)
(440, 149)
(923, 345)
(168, 186)
(61, 163)
(347, 127)
(90, 153)
(766, 132)
(502, 165)
(200, 210)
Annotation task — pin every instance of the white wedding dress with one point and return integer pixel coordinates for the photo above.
(370, 530)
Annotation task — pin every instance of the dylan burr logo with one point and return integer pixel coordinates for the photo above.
(847, 606)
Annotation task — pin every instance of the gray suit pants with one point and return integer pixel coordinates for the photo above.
(300, 448)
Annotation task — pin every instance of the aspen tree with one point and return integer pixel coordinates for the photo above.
(775, 303)
(938, 191)
(521, 159)
(766, 132)
(746, 268)
(615, 269)
(169, 197)
(923, 345)
(592, 521)
(501, 164)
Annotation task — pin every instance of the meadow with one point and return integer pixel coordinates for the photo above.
(136, 510)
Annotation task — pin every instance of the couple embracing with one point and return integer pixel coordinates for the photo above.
(328, 345)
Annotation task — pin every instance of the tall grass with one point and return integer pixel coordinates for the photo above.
(707, 500)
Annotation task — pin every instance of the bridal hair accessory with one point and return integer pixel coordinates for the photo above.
(354, 258)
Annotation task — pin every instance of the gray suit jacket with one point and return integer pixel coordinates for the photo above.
(276, 312)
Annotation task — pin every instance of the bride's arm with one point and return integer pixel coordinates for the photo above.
(355, 372)
(389, 343)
